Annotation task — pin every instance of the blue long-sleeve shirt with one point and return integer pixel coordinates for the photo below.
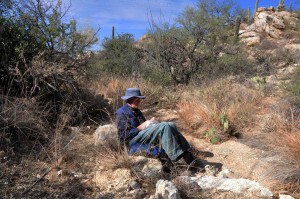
(128, 119)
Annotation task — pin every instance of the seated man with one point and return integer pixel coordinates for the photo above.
(134, 130)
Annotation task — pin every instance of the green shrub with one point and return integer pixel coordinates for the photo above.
(119, 56)
(292, 91)
(227, 65)
(157, 76)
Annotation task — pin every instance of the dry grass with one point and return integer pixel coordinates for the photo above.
(204, 107)
(188, 190)
(58, 146)
(291, 188)
(24, 116)
(286, 143)
(115, 157)
(194, 115)
(113, 89)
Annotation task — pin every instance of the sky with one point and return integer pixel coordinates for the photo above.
(132, 16)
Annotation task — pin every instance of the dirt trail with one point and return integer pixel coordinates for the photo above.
(236, 155)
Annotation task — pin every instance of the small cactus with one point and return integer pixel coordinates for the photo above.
(291, 7)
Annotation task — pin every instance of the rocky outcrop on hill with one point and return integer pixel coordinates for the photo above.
(270, 22)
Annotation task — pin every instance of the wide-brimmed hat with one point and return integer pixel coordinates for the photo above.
(132, 92)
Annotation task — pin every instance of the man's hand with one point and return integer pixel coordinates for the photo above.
(146, 124)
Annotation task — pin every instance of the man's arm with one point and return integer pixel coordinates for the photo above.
(126, 129)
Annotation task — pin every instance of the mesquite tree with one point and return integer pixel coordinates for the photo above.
(38, 49)
(197, 37)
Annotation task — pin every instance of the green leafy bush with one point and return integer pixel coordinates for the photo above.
(120, 56)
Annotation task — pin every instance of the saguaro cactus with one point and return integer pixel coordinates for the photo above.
(256, 6)
(249, 15)
(291, 7)
(281, 6)
(113, 32)
(237, 27)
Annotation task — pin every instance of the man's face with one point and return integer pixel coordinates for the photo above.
(136, 103)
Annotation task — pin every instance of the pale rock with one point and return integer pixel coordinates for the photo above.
(278, 22)
(294, 48)
(261, 9)
(293, 22)
(211, 170)
(118, 179)
(251, 41)
(262, 20)
(286, 70)
(245, 34)
(166, 190)
(105, 134)
(273, 32)
(134, 184)
(271, 9)
(137, 194)
(269, 22)
(272, 80)
(153, 168)
(283, 196)
(240, 185)
(285, 14)
(145, 39)
(224, 173)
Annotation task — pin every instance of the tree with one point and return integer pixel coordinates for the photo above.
(38, 49)
(197, 37)
(120, 55)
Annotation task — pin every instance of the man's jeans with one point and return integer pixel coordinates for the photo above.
(170, 139)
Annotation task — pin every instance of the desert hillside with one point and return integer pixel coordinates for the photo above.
(231, 85)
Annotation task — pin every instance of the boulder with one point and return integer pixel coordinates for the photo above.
(261, 9)
(271, 9)
(273, 23)
(273, 32)
(244, 187)
(166, 190)
(294, 48)
(293, 22)
(251, 41)
(283, 196)
(245, 34)
(284, 14)
(278, 22)
(105, 134)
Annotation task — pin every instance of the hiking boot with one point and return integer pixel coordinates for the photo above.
(188, 157)
(167, 164)
(195, 165)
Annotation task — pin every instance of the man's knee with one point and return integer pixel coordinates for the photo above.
(172, 124)
(168, 124)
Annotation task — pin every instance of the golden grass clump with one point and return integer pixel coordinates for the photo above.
(115, 157)
(287, 171)
(194, 115)
(206, 107)
(289, 146)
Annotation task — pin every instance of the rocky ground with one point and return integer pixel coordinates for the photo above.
(81, 170)
(84, 172)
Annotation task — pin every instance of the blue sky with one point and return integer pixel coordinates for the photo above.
(132, 16)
